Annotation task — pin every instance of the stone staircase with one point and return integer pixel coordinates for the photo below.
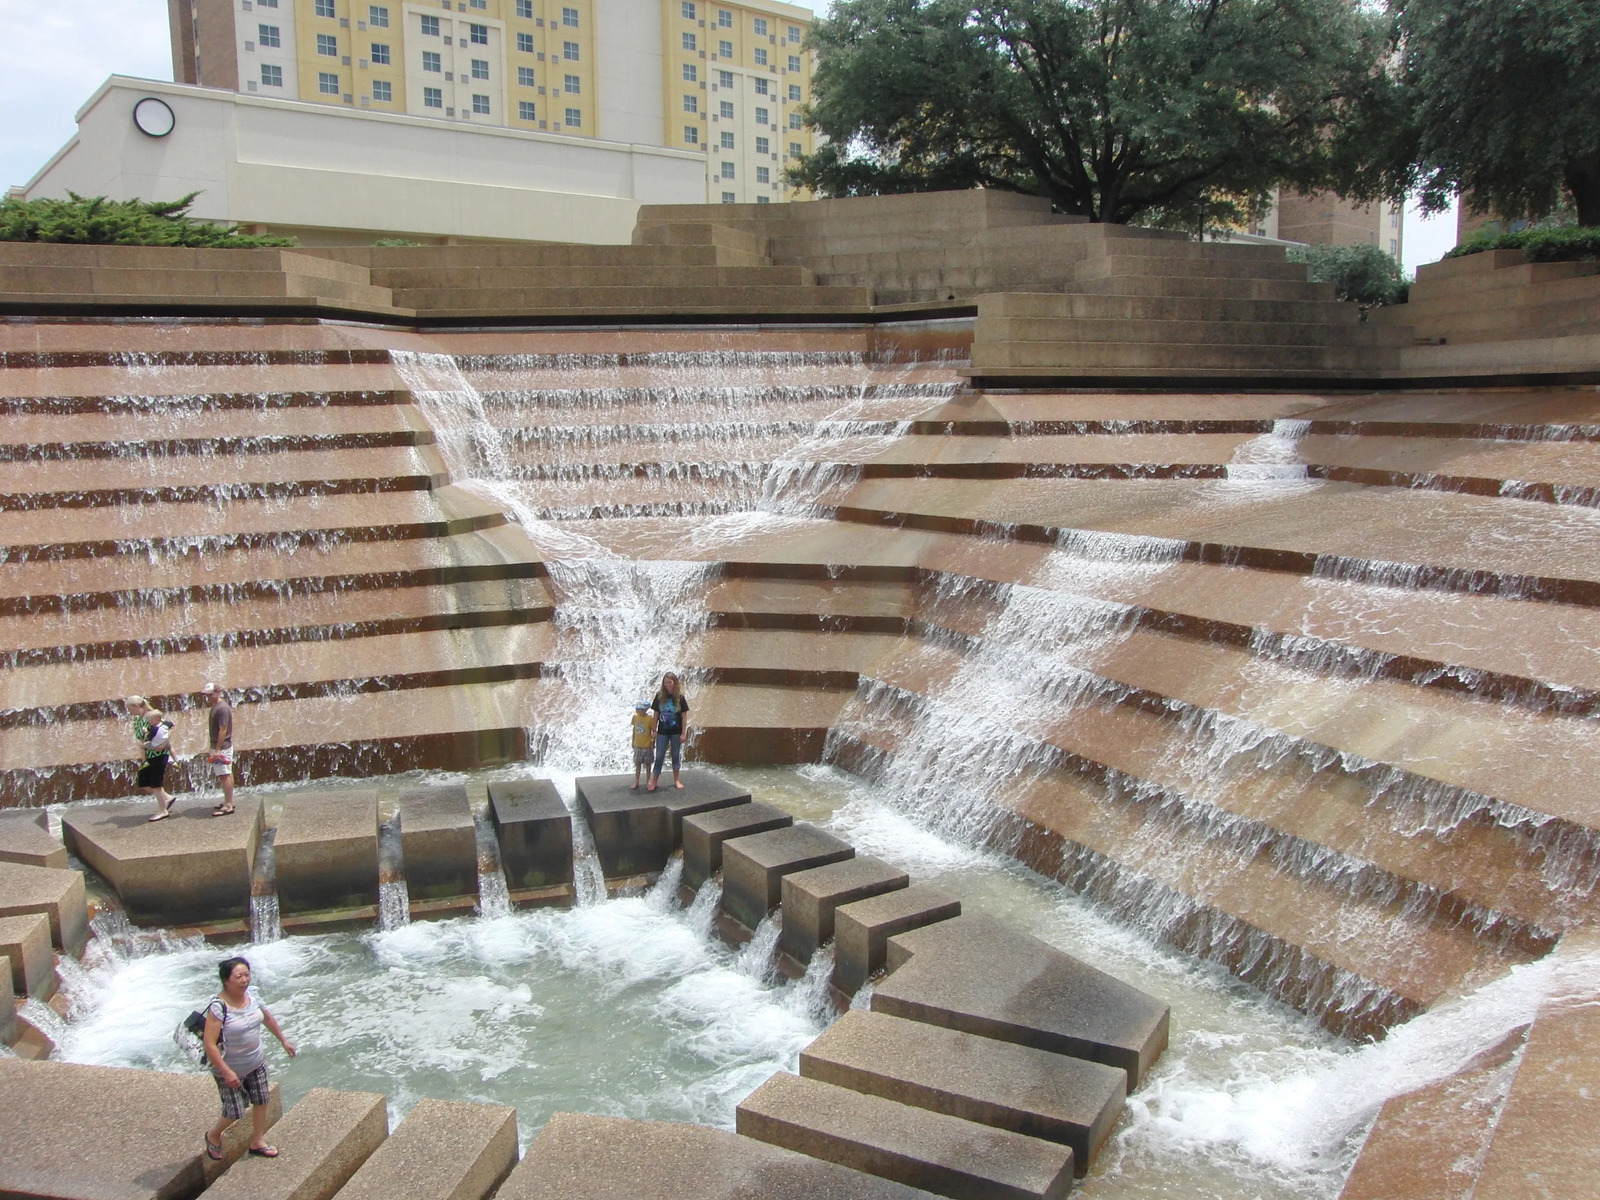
(1498, 296)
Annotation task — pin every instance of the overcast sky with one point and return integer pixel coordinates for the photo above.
(59, 51)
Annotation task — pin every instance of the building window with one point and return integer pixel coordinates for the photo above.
(525, 110)
(525, 43)
(761, 27)
(729, 198)
(726, 110)
(570, 85)
(794, 34)
(574, 119)
(725, 78)
(794, 64)
(794, 120)
(763, 199)
(1394, 217)
(268, 3)
(271, 76)
(327, 45)
(690, 72)
(727, 141)
(569, 18)
(524, 76)
(480, 104)
(432, 97)
(794, 150)
(268, 35)
(480, 68)
(761, 87)
(724, 19)
(763, 175)
(569, 51)
(378, 16)
(328, 83)
(691, 104)
(727, 170)
(688, 41)
(480, 3)
(763, 146)
(325, 8)
(380, 54)
(761, 116)
(691, 134)
(761, 57)
(794, 92)
(525, 10)
(480, 34)
(430, 26)
(382, 91)
(687, 8)
(1394, 246)
(431, 61)
(725, 49)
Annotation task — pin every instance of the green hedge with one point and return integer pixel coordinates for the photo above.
(97, 221)
(1362, 274)
(1571, 244)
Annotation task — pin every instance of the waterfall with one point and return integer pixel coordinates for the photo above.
(758, 958)
(394, 899)
(264, 920)
(1270, 458)
(494, 897)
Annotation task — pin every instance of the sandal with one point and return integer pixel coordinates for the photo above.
(219, 811)
(264, 1151)
(163, 814)
(213, 1149)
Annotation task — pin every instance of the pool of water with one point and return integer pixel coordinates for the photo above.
(630, 1007)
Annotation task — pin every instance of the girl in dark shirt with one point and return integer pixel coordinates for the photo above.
(672, 722)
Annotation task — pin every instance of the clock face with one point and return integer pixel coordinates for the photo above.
(153, 117)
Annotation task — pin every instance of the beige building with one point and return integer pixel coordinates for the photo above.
(1322, 219)
(724, 80)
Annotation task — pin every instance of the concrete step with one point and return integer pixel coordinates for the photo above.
(1281, 329)
(322, 1141)
(413, 283)
(1000, 358)
(443, 1150)
(704, 834)
(862, 929)
(469, 301)
(753, 867)
(810, 899)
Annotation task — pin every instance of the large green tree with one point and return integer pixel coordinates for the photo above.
(1502, 103)
(1185, 110)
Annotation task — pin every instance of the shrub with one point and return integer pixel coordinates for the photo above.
(1363, 274)
(1569, 244)
(395, 242)
(97, 221)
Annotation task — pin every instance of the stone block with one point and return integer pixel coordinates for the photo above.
(704, 833)
(322, 1142)
(810, 898)
(535, 832)
(980, 976)
(443, 1150)
(326, 851)
(909, 1145)
(861, 930)
(1028, 1091)
(58, 894)
(439, 843)
(25, 945)
(192, 868)
(8, 1014)
(753, 867)
(611, 1158)
(636, 832)
(76, 1132)
(25, 838)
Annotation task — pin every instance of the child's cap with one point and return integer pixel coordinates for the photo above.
(641, 705)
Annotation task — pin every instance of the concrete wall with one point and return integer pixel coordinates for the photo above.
(340, 175)
(628, 49)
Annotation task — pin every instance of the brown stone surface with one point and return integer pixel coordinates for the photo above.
(74, 1132)
(635, 832)
(439, 842)
(862, 929)
(442, 1150)
(58, 894)
(810, 897)
(753, 867)
(534, 829)
(1028, 1091)
(610, 1158)
(8, 1010)
(704, 833)
(25, 945)
(25, 838)
(322, 1141)
(191, 868)
(914, 1146)
(326, 850)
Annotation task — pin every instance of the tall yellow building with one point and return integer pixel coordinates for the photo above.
(724, 79)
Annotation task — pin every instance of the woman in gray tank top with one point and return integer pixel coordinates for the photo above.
(233, 1048)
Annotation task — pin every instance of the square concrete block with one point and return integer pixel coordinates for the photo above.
(25, 838)
(704, 833)
(439, 843)
(909, 1145)
(981, 976)
(8, 1014)
(810, 898)
(56, 893)
(1027, 1091)
(25, 945)
(535, 832)
(862, 929)
(443, 1150)
(635, 832)
(753, 867)
(322, 1141)
(192, 868)
(326, 851)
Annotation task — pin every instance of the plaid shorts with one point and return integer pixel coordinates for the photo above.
(252, 1089)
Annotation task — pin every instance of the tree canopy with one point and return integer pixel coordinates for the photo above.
(97, 221)
(1176, 111)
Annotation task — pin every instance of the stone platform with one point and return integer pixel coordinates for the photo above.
(26, 955)
(326, 851)
(534, 829)
(439, 841)
(25, 838)
(322, 1141)
(58, 894)
(704, 834)
(810, 898)
(443, 1150)
(753, 867)
(862, 929)
(635, 832)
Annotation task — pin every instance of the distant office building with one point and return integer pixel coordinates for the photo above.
(726, 80)
(1325, 219)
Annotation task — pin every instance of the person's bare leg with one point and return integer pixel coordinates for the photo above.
(227, 790)
(214, 1134)
(258, 1126)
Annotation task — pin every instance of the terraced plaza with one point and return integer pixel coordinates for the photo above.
(1142, 713)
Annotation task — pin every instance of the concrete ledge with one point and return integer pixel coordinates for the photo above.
(326, 851)
(909, 1145)
(443, 1150)
(980, 976)
(58, 894)
(578, 1157)
(535, 833)
(704, 833)
(8, 1011)
(810, 897)
(1027, 1091)
(862, 930)
(25, 945)
(753, 867)
(439, 843)
(189, 869)
(321, 1143)
(635, 832)
(25, 838)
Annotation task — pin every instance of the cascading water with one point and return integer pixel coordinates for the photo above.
(394, 899)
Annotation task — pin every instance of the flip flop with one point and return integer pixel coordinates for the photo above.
(162, 815)
(264, 1151)
(213, 1149)
(219, 811)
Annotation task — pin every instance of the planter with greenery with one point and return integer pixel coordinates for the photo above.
(97, 221)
